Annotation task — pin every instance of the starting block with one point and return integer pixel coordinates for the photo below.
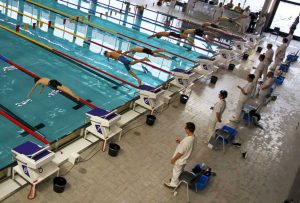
(181, 78)
(226, 57)
(103, 125)
(205, 68)
(34, 163)
(150, 98)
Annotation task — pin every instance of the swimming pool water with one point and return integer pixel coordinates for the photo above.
(9, 138)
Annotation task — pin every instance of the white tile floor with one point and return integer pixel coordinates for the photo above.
(138, 172)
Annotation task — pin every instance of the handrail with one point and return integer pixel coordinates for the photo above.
(106, 29)
(85, 39)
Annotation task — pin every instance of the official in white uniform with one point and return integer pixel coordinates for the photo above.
(216, 115)
(260, 23)
(268, 60)
(258, 72)
(243, 20)
(218, 13)
(182, 154)
(280, 54)
(265, 88)
(245, 93)
(290, 37)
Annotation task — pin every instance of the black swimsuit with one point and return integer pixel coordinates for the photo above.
(147, 51)
(214, 25)
(199, 32)
(54, 84)
(174, 34)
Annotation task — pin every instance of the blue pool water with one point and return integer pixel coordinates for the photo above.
(50, 108)
(10, 135)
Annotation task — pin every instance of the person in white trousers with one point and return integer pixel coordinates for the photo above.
(245, 93)
(265, 89)
(243, 20)
(290, 37)
(268, 60)
(279, 54)
(216, 115)
(182, 154)
(218, 13)
(258, 72)
(260, 23)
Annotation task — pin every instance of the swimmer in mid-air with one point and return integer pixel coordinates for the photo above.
(145, 50)
(199, 32)
(117, 55)
(53, 84)
(173, 34)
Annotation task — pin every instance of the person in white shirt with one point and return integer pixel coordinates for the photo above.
(216, 115)
(243, 20)
(245, 93)
(265, 89)
(258, 72)
(268, 60)
(290, 37)
(280, 54)
(218, 12)
(182, 153)
(260, 23)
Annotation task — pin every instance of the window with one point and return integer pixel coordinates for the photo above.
(29, 10)
(13, 4)
(284, 19)
(44, 16)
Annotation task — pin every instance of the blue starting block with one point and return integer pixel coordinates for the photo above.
(150, 97)
(103, 124)
(34, 163)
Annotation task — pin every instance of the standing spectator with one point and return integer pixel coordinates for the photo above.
(218, 12)
(245, 93)
(290, 37)
(260, 23)
(182, 154)
(229, 5)
(265, 89)
(268, 60)
(171, 6)
(253, 20)
(258, 72)
(280, 54)
(216, 115)
(243, 19)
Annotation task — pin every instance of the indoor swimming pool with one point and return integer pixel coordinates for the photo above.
(85, 70)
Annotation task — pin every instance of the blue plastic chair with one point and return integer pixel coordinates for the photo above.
(225, 135)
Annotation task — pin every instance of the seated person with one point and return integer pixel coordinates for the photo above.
(229, 5)
(145, 50)
(117, 55)
(172, 34)
(53, 84)
(238, 8)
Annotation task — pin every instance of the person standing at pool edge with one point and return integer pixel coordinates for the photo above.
(53, 84)
(117, 55)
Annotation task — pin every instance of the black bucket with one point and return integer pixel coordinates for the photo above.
(245, 56)
(150, 120)
(59, 184)
(184, 98)
(213, 79)
(231, 66)
(113, 149)
(259, 49)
